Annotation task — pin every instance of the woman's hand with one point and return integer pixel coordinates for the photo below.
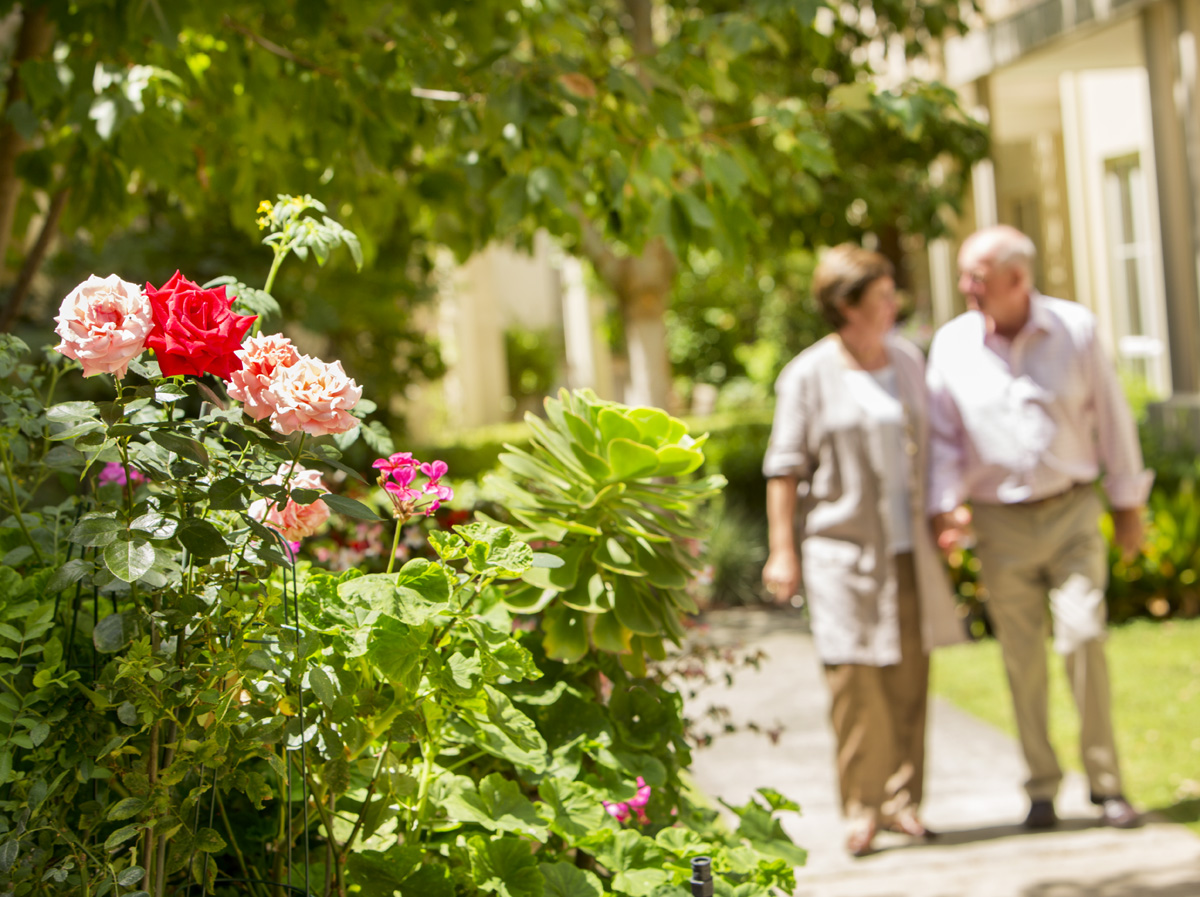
(781, 575)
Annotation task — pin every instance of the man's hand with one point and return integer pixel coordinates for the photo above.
(1127, 531)
(951, 529)
(781, 575)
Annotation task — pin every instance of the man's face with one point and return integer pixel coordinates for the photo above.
(997, 292)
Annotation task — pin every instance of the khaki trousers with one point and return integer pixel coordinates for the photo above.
(1052, 549)
(878, 716)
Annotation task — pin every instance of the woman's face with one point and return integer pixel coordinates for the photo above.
(875, 313)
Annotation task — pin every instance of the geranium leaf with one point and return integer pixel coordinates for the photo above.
(506, 866)
(568, 880)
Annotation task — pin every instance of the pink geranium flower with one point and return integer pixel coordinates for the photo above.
(103, 324)
(113, 474)
(262, 357)
(622, 811)
(315, 397)
(293, 521)
(397, 476)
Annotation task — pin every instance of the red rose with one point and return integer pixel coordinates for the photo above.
(195, 330)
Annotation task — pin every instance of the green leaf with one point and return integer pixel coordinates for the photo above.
(115, 631)
(322, 685)
(349, 507)
(766, 834)
(156, 525)
(495, 550)
(633, 608)
(128, 561)
(576, 809)
(69, 574)
(675, 461)
(201, 538)
(615, 425)
(184, 446)
(95, 531)
(395, 649)
(506, 732)
(561, 577)
(125, 808)
(631, 459)
(431, 880)
(567, 880)
(697, 212)
(130, 876)
(227, 494)
(506, 866)
(448, 546)
(209, 841)
(499, 806)
(120, 836)
(565, 634)
(379, 872)
(636, 863)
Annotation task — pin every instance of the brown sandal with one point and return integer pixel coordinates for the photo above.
(909, 824)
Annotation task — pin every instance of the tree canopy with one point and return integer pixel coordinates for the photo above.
(634, 131)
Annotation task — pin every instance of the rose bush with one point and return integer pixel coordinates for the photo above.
(188, 709)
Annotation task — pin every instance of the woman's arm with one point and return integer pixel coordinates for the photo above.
(781, 575)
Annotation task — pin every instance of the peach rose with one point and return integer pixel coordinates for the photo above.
(293, 521)
(104, 323)
(261, 357)
(315, 397)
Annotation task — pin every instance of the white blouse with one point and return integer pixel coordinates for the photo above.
(879, 398)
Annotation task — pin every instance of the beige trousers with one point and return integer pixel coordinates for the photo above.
(1052, 549)
(878, 716)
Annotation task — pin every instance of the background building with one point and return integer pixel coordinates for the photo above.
(1095, 154)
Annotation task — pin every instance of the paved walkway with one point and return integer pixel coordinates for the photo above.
(973, 798)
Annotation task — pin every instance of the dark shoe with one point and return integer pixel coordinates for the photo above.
(1041, 815)
(1117, 812)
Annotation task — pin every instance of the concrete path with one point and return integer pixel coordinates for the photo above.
(973, 795)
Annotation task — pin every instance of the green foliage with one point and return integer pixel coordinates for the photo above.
(532, 357)
(184, 703)
(594, 483)
(746, 135)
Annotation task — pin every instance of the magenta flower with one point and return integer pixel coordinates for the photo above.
(397, 474)
(434, 470)
(618, 811)
(113, 474)
(636, 805)
(398, 461)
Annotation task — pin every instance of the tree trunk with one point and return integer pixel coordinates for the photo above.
(34, 40)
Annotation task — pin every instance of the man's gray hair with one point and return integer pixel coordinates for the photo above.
(1006, 247)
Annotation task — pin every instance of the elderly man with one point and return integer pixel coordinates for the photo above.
(1025, 412)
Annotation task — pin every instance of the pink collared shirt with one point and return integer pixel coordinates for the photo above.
(1021, 420)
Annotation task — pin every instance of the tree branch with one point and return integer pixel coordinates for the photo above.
(33, 261)
(282, 52)
(33, 41)
(610, 266)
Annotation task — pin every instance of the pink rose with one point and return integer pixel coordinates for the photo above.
(293, 521)
(104, 323)
(262, 357)
(315, 397)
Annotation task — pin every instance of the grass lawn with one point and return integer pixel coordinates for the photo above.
(1155, 669)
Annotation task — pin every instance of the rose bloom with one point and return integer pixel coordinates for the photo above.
(293, 521)
(104, 323)
(195, 330)
(261, 357)
(315, 397)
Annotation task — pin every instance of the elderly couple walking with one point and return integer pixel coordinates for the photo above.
(873, 460)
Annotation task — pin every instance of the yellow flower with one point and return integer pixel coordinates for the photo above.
(264, 223)
(264, 206)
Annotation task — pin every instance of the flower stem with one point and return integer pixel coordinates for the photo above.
(12, 486)
(395, 545)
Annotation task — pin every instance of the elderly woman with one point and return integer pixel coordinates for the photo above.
(845, 475)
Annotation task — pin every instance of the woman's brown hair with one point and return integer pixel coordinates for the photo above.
(843, 275)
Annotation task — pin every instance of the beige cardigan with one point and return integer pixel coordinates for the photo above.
(821, 437)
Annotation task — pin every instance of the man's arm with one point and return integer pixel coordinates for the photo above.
(781, 575)
(1126, 480)
(947, 458)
